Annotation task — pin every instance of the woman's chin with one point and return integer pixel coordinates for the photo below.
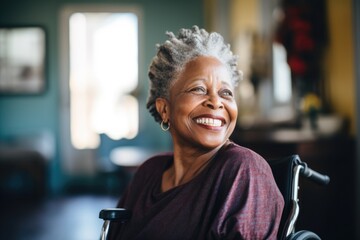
(211, 143)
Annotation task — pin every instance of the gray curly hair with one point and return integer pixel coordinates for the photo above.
(173, 55)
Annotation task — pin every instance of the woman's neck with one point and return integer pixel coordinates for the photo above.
(188, 163)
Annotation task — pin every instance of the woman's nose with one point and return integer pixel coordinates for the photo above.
(214, 102)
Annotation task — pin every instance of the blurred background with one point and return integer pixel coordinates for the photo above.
(73, 88)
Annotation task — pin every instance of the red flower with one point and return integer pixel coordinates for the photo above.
(303, 42)
(299, 25)
(297, 65)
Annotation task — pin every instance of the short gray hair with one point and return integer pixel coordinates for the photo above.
(176, 52)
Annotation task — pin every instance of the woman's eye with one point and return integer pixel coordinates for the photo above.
(227, 93)
(198, 90)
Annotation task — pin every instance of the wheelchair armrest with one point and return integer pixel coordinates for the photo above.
(115, 214)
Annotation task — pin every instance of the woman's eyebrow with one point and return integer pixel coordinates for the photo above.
(204, 80)
(228, 85)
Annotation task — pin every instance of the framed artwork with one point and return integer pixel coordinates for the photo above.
(22, 60)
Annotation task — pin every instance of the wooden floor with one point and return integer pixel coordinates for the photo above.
(70, 217)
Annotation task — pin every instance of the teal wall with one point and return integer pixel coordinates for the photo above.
(35, 113)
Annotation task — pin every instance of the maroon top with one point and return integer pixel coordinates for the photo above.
(234, 197)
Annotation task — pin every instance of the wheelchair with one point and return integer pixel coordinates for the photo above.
(286, 171)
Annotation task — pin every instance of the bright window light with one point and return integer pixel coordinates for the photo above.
(103, 73)
(282, 75)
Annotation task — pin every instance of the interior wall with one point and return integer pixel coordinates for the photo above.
(244, 16)
(339, 61)
(35, 113)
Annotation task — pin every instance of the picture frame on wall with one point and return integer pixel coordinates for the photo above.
(22, 60)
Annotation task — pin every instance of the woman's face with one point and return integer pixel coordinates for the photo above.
(202, 108)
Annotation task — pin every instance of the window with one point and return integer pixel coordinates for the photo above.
(282, 75)
(103, 73)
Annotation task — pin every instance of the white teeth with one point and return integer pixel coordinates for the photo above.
(209, 121)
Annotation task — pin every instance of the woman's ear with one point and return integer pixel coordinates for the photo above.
(162, 106)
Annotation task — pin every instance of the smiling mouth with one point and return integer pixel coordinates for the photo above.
(209, 122)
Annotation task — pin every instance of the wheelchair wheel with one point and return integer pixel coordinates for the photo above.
(304, 235)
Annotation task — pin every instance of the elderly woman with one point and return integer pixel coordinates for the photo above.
(209, 187)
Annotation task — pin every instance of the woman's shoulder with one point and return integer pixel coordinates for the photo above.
(237, 156)
(240, 153)
(158, 161)
(151, 168)
(239, 165)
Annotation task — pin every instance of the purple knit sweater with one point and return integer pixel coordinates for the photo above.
(234, 197)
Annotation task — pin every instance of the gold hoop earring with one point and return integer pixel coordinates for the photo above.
(166, 127)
